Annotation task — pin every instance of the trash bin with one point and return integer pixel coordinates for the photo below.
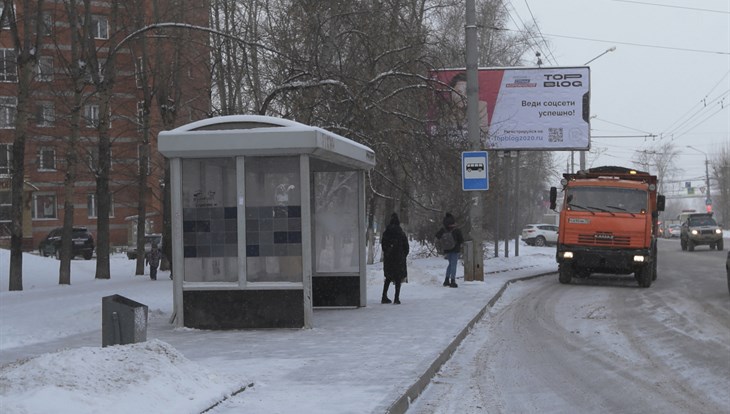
(124, 321)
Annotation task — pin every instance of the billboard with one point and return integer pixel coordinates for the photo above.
(519, 108)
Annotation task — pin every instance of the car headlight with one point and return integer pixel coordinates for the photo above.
(639, 259)
(694, 232)
(567, 255)
(718, 231)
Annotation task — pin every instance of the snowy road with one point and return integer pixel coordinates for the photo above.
(599, 345)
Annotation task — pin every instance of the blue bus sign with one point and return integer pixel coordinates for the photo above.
(474, 171)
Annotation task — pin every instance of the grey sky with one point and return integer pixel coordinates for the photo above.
(669, 75)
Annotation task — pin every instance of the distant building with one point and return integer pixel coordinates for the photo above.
(138, 69)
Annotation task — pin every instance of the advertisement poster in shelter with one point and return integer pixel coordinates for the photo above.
(519, 108)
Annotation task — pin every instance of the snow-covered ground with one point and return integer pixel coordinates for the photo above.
(51, 359)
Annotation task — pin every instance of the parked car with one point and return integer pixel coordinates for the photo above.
(540, 234)
(149, 239)
(82, 243)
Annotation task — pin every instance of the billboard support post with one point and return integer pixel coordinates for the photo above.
(476, 271)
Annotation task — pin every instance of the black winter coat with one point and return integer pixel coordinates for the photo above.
(395, 249)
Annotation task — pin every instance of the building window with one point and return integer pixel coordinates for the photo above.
(8, 110)
(144, 150)
(5, 209)
(47, 28)
(92, 159)
(100, 27)
(45, 114)
(45, 69)
(6, 159)
(44, 206)
(91, 113)
(5, 23)
(91, 205)
(140, 116)
(99, 70)
(8, 66)
(139, 72)
(47, 159)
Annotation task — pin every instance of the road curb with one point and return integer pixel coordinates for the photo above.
(401, 405)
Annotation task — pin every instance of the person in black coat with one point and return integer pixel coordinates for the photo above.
(395, 249)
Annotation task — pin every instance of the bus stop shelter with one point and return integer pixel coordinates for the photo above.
(268, 221)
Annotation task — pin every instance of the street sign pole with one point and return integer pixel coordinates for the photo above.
(475, 272)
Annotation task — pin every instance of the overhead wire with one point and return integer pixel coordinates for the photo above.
(527, 32)
(699, 102)
(537, 27)
(672, 6)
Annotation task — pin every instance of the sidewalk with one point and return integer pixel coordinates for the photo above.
(368, 360)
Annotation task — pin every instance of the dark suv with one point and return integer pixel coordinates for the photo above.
(82, 243)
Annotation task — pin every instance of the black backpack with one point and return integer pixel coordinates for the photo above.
(447, 241)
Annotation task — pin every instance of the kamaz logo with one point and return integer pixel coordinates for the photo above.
(559, 80)
(603, 236)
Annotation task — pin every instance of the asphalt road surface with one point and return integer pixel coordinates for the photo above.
(598, 345)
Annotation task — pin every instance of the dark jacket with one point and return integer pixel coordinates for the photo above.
(153, 257)
(449, 223)
(395, 249)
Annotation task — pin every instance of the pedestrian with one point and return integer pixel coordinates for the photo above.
(153, 258)
(395, 249)
(450, 238)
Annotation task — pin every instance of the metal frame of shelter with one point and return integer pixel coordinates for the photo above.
(268, 221)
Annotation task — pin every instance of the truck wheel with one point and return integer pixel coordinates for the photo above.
(720, 245)
(88, 255)
(540, 241)
(653, 269)
(645, 276)
(565, 273)
(690, 245)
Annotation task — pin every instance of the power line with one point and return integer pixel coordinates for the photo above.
(629, 43)
(671, 6)
(540, 32)
(525, 32)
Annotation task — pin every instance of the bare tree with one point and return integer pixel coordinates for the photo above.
(102, 69)
(721, 173)
(75, 71)
(661, 161)
(25, 48)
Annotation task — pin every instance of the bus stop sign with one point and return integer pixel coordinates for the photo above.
(474, 171)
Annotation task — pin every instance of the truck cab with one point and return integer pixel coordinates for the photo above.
(608, 224)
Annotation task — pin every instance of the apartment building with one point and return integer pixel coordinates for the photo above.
(161, 80)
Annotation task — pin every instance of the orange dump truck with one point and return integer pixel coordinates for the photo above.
(608, 224)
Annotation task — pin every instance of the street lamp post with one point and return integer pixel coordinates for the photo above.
(708, 202)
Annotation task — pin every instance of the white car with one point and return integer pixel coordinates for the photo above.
(540, 234)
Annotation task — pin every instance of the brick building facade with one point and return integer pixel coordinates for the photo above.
(168, 66)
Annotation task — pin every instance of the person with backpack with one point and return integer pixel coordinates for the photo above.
(395, 250)
(449, 238)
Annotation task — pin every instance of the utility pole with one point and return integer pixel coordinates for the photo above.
(472, 116)
(708, 201)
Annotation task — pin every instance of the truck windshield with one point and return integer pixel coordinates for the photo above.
(606, 199)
